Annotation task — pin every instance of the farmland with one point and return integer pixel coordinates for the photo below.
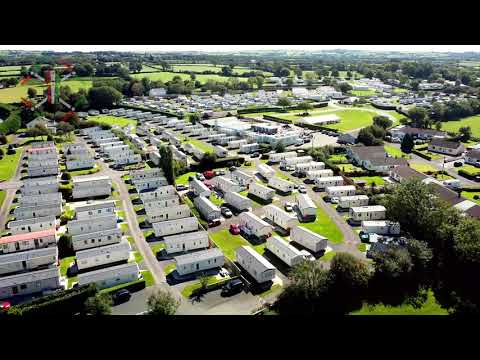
(472, 121)
(113, 120)
(168, 76)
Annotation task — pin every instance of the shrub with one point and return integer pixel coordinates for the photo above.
(65, 247)
(476, 197)
(66, 176)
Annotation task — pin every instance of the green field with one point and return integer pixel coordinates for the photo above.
(363, 92)
(472, 121)
(347, 168)
(371, 179)
(324, 226)
(469, 169)
(167, 76)
(395, 151)
(9, 164)
(227, 242)
(183, 179)
(470, 195)
(203, 146)
(113, 120)
(338, 158)
(424, 168)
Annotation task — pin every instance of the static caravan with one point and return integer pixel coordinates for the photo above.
(266, 171)
(29, 283)
(168, 213)
(42, 169)
(199, 188)
(248, 148)
(89, 225)
(238, 201)
(94, 239)
(80, 163)
(28, 260)
(325, 182)
(278, 157)
(162, 192)
(31, 225)
(284, 251)
(47, 209)
(172, 227)
(282, 185)
(255, 264)
(346, 202)
(186, 242)
(251, 224)
(27, 241)
(103, 255)
(235, 144)
(381, 227)
(220, 151)
(242, 178)
(35, 200)
(111, 276)
(129, 159)
(152, 183)
(199, 261)
(313, 174)
(343, 190)
(92, 211)
(262, 192)
(373, 212)
(161, 203)
(309, 166)
(91, 187)
(308, 239)
(280, 217)
(296, 160)
(207, 209)
(38, 189)
(225, 184)
(306, 206)
(136, 175)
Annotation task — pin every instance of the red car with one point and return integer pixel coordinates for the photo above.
(234, 229)
(209, 174)
(4, 305)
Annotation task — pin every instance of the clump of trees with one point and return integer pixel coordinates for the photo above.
(162, 303)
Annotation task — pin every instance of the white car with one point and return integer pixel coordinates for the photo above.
(334, 200)
(288, 207)
(307, 256)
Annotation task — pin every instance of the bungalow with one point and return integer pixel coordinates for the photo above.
(93, 239)
(111, 276)
(75, 149)
(29, 283)
(303, 168)
(31, 225)
(284, 251)
(472, 157)
(342, 190)
(371, 212)
(220, 151)
(306, 206)
(346, 202)
(46, 209)
(280, 217)
(186, 241)
(28, 260)
(154, 157)
(235, 144)
(84, 212)
(374, 158)
(262, 192)
(251, 224)
(42, 154)
(242, 178)
(150, 183)
(225, 184)
(266, 171)
(199, 188)
(161, 192)
(401, 173)
(85, 187)
(199, 261)
(102, 256)
(41, 120)
(172, 227)
(27, 241)
(308, 239)
(168, 213)
(238, 201)
(291, 161)
(89, 225)
(248, 148)
(255, 264)
(381, 227)
(282, 185)
(207, 209)
(39, 186)
(417, 133)
(452, 148)
(130, 158)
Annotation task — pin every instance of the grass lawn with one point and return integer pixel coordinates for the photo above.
(203, 146)
(113, 120)
(423, 167)
(324, 226)
(470, 194)
(338, 158)
(442, 177)
(65, 263)
(157, 247)
(84, 172)
(169, 268)
(216, 200)
(121, 214)
(371, 179)
(228, 243)
(352, 119)
(395, 152)
(273, 289)
(363, 92)
(124, 227)
(362, 247)
(469, 169)
(399, 90)
(346, 168)
(8, 165)
(472, 121)
(430, 307)
(189, 289)
(71, 281)
(328, 256)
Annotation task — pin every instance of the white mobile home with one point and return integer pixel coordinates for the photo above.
(324, 182)
(92, 211)
(42, 169)
(186, 242)
(199, 188)
(94, 239)
(373, 212)
(277, 157)
(27, 212)
(32, 189)
(111, 276)
(262, 192)
(172, 227)
(28, 260)
(284, 251)
(238, 201)
(161, 192)
(169, 213)
(225, 184)
(296, 160)
(282, 185)
(91, 187)
(29, 283)
(253, 225)
(381, 227)
(89, 225)
(199, 261)
(255, 264)
(31, 225)
(309, 166)
(79, 163)
(308, 239)
(27, 241)
(136, 175)
(248, 148)
(235, 144)
(207, 209)
(35, 200)
(220, 151)
(161, 203)
(242, 178)
(346, 202)
(266, 171)
(103, 255)
(280, 217)
(306, 206)
(337, 191)
(313, 174)
(152, 183)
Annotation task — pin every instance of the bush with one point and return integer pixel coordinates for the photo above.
(476, 197)
(3, 139)
(66, 176)
(65, 247)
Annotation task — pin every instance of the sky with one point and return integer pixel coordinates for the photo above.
(231, 48)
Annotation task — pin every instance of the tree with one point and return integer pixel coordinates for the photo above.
(32, 92)
(305, 106)
(259, 80)
(407, 144)
(280, 147)
(382, 121)
(100, 304)
(289, 82)
(166, 163)
(366, 137)
(194, 118)
(438, 125)
(65, 247)
(103, 97)
(310, 77)
(344, 87)
(418, 115)
(162, 303)
(64, 128)
(137, 89)
(209, 158)
(203, 280)
(227, 71)
(283, 101)
(465, 133)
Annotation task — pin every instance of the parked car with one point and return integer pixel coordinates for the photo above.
(181, 187)
(288, 207)
(121, 296)
(4, 305)
(457, 164)
(302, 189)
(234, 229)
(214, 222)
(233, 168)
(334, 200)
(209, 174)
(200, 177)
(255, 155)
(226, 212)
(232, 287)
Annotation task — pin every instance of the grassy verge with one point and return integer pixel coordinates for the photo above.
(183, 179)
(2, 197)
(424, 168)
(328, 256)
(324, 226)
(371, 179)
(9, 164)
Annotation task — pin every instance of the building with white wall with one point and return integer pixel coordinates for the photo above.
(284, 251)
(255, 264)
(199, 261)
(104, 255)
(172, 227)
(110, 276)
(280, 217)
(308, 239)
(186, 241)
